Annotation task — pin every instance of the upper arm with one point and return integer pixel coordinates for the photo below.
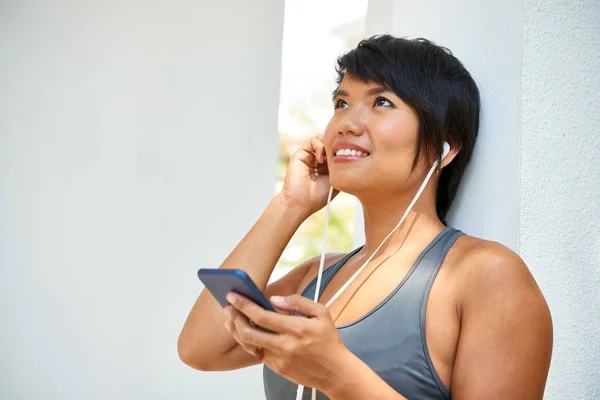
(505, 342)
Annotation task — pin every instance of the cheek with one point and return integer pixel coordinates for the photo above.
(395, 139)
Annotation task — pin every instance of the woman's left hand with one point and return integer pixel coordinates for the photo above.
(307, 351)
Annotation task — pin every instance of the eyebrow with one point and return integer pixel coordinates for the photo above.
(371, 92)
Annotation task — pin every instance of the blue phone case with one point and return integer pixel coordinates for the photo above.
(222, 281)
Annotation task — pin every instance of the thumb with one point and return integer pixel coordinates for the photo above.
(299, 304)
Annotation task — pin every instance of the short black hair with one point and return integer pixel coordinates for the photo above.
(433, 81)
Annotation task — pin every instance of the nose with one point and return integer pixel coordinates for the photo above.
(351, 122)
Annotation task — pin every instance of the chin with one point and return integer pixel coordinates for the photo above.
(353, 184)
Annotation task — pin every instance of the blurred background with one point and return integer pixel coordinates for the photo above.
(314, 35)
(140, 140)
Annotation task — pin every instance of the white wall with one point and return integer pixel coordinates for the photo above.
(559, 219)
(533, 184)
(122, 128)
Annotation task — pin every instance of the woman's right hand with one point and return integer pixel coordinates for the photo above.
(306, 182)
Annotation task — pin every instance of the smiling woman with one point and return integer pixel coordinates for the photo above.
(421, 310)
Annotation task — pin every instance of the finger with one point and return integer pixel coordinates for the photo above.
(301, 305)
(314, 147)
(322, 169)
(307, 155)
(239, 323)
(255, 351)
(261, 317)
(318, 148)
(230, 326)
(250, 337)
(307, 145)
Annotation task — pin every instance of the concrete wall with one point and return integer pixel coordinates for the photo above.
(132, 134)
(533, 183)
(559, 218)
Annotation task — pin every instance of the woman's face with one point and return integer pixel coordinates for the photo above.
(370, 118)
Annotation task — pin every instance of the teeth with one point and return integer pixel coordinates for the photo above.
(349, 152)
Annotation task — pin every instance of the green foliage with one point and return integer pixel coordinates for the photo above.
(339, 236)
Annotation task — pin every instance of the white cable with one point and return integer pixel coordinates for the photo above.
(386, 238)
(324, 248)
(300, 391)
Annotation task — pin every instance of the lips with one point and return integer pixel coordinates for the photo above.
(345, 151)
(348, 145)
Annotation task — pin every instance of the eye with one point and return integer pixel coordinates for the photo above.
(382, 102)
(339, 103)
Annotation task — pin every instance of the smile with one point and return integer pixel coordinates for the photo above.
(348, 155)
(347, 151)
(351, 152)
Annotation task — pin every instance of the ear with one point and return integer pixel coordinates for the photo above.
(454, 150)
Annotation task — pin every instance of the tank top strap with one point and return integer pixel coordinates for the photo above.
(430, 260)
(328, 274)
(429, 271)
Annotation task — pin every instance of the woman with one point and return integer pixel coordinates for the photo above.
(435, 312)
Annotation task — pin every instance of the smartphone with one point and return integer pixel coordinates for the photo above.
(222, 281)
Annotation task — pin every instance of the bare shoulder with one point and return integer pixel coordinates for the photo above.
(506, 333)
(485, 262)
(490, 271)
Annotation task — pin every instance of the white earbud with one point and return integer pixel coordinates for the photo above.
(446, 150)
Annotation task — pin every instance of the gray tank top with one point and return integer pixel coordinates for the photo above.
(390, 339)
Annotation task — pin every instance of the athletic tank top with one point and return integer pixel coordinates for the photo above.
(390, 339)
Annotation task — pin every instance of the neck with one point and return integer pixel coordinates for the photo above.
(382, 214)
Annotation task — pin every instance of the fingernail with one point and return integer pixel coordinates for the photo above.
(228, 326)
(230, 298)
(278, 300)
(227, 311)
